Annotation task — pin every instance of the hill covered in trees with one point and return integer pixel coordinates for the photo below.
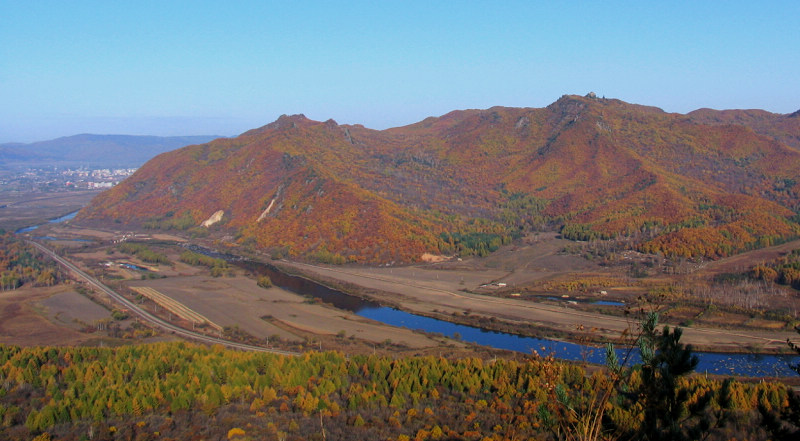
(707, 184)
(183, 391)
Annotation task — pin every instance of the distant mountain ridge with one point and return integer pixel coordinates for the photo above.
(95, 150)
(695, 185)
(784, 128)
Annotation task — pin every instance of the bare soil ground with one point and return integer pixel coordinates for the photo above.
(66, 230)
(529, 285)
(36, 316)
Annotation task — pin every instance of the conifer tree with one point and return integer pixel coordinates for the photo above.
(668, 412)
(784, 423)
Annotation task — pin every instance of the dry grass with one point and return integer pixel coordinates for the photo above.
(25, 317)
(238, 301)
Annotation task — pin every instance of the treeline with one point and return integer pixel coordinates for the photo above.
(217, 266)
(21, 264)
(322, 255)
(785, 270)
(713, 232)
(169, 221)
(472, 243)
(143, 252)
(583, 232)
(692, 238)
(524, 213)
(184, 391)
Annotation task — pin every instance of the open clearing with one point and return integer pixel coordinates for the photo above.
(440, 292)
(72, 309)
(44, 316)
(239, 301)
(743, 262)
(472, 288)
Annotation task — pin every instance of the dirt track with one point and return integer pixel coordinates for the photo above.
(428, 291)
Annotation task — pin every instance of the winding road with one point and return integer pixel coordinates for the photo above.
(156, 321)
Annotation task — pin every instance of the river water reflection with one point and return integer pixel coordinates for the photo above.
(63, 218)
(752, 365)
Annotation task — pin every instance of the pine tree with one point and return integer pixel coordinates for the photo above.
(784, 423)
(796, 348)
(668, 412)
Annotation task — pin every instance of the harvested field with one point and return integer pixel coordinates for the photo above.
(511, 286)
(24, 317)
(238, 301)
(174, 307)
(70, 309)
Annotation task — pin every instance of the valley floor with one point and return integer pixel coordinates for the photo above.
(442, 294)
(497, 289)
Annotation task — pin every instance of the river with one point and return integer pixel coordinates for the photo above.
(751, 365)
(60, 219)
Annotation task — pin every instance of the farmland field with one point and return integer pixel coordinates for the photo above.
(45, 316)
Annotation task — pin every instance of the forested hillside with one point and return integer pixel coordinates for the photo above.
(183, 391)
(784, 128)
(22, 264)
(699, 185)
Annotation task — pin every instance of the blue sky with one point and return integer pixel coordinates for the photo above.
(187, 68)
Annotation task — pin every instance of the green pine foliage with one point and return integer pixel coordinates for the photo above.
(218, 267)
(264, 282)
(171, 222)
(180, 390)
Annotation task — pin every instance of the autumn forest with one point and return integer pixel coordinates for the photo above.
(640, 199)
(703, 185)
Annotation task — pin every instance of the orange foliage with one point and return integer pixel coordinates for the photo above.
(676, 186)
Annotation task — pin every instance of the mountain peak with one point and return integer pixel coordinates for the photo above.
(289, 121)
(596, 167)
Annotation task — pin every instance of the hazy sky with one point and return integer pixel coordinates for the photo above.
(188, 68)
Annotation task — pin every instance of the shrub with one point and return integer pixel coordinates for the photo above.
(265, 282)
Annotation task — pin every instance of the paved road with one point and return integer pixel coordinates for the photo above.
(135, 309)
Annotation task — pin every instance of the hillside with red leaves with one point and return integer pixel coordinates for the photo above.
(783, 128)
(707, 184)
